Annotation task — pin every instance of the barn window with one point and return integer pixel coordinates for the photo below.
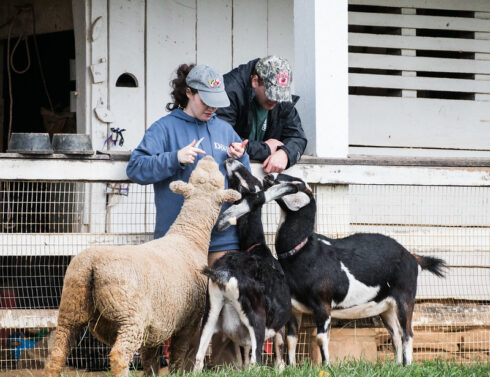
(127, 80)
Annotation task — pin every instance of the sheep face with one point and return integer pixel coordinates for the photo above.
(207, 175)
(208, 179)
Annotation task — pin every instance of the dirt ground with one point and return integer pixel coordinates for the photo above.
(67, 372)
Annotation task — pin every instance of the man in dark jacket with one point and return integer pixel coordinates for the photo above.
(262, 111)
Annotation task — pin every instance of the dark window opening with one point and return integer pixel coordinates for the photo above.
(374, 71)
(380, 92)
(375, 50)
(127, 80)
(375, 29)
(445, 95)
(373, 9)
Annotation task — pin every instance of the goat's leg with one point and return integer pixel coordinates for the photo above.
(255, 324)
(150, 358)
(293, 326)
(279, 348)
(214, 304)
(392, 324)
(405, 312)
(246, 356)
(129, 338)
(258, 324)
(321, 314)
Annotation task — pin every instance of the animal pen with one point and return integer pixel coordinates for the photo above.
(53, 208)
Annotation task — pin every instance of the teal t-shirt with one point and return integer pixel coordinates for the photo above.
(259, 124)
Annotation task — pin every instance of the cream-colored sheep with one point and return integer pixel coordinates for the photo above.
(134, 297)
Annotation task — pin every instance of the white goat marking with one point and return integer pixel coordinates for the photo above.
(216, 301)
(242, 180)
(292, 340)
(407, 350)
(326, 242)
(282, 219)
(269, 333)
(232, 292)
(322, 340)
(327, 324)
(299, 307)
(358, 292)
(366, 310)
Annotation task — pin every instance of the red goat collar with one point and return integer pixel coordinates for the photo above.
(293, 251)
(252, 247)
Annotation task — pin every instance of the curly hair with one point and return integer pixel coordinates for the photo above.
(179, 87)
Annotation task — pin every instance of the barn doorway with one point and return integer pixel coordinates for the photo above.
(31, 102)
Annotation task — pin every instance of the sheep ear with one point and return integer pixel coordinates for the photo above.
(180, 187)
(229, 195)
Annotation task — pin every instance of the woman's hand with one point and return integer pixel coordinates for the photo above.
(236, 150)
(188, 154)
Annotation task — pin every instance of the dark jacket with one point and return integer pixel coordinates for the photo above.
(283, 122)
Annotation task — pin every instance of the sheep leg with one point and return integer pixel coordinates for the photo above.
(150, 358)
(62, 341)
(129, 339)
(210, 320)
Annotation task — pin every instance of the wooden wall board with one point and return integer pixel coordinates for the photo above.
(470, 5)
(418, 83)
(280, 30)
(170, 41)
(418, 42)
(249, 30)
(214, 34)
(418, 21)
(417, 63)
(127, 56)
(418, 122)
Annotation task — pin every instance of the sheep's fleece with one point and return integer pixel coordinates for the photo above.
(137, 297)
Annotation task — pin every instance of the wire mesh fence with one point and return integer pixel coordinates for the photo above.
(44, 224)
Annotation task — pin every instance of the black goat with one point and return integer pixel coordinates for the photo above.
(359, 276)
(248, 297)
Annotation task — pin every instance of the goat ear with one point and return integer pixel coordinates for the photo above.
(280, 190)
(180, 187)
(229, 195)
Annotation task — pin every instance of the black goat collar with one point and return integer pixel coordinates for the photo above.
(293, 251)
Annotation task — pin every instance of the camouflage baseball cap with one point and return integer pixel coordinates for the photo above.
(277, 76)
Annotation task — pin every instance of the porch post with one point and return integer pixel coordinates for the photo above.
(321, 74)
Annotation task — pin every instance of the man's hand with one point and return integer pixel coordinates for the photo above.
(276, 162)
(273, 144)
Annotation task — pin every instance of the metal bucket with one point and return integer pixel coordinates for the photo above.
(30, 143)
(76, 144)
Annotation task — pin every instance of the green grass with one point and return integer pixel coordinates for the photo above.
(361, 369)
(343, 369)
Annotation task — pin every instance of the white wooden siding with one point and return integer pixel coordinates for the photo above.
(419, 122)
(127, 56)
(220, 33)
(387, 108)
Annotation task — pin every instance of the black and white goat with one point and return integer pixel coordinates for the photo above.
(248, 297)
(359, 276)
